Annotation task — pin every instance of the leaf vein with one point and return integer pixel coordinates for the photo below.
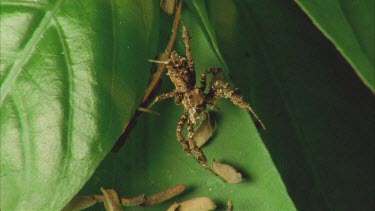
(25, 140)
(27, 52)
(70, 82)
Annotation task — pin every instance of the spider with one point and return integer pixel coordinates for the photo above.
(194, 99)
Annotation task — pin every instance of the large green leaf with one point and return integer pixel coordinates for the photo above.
(318, 113)
(72, 75)
(152, 159)
(350, 26)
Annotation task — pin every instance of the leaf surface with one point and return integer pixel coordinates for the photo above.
(350, 26)
(318, 114)
(72, 75)
(153, 160)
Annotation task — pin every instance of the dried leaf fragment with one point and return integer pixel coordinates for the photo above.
(229, 205)
(174, 207)
(205, 130)
(111, 200)
(226, 172)
(195, 204)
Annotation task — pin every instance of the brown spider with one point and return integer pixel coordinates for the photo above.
(181, 71)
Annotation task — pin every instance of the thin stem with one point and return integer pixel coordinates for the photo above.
(143, 200)
(164, 195)
(165, 56)
(154, 82)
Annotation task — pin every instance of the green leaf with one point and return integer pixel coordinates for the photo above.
(350, 26)
(153, 160)
(72, 75)
(319, 116)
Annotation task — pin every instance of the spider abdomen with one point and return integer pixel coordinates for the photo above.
(194, 98)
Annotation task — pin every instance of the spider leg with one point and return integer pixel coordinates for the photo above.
(163, 97)
(204, 75)
(180, 138)
(222, 89)
(193, 146)
(186, 37)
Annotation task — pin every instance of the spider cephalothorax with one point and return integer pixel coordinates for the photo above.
(181, 71)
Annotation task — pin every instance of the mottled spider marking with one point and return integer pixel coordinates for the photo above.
(221, 89)
(181, 72)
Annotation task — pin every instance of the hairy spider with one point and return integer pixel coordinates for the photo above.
(181, 71)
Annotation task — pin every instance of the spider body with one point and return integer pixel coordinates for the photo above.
(181, 72)
(194, 100)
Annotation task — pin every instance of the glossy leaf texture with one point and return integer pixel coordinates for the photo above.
(72, 74)
(153, 160)
(350, 26)
(319, 115)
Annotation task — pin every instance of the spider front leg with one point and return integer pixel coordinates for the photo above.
(180, 138)
(193, 146)
(222, 89)
(186, 37)
(214, 71)
(163, 97)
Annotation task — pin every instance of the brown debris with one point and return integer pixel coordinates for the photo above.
(226, 172)
(195, 204)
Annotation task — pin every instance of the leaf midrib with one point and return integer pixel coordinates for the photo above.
(27, 51)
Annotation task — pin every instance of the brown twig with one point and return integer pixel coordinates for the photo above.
(164, 195)
(165, 56)
(141, 200)
(154, 82)
(135, 201)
